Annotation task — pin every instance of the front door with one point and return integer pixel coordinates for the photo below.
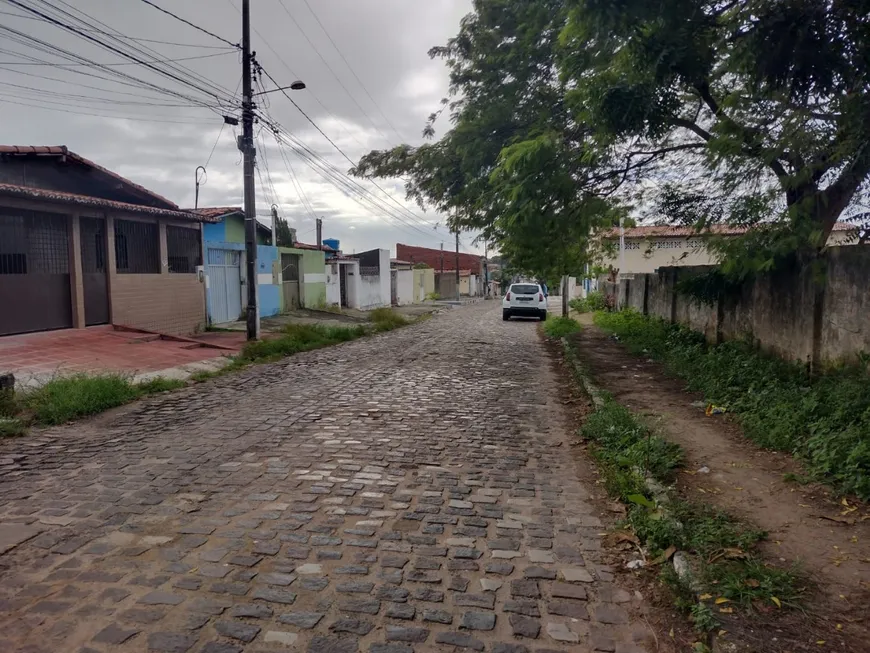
(290, 281)
(94, 285)
(224, 285)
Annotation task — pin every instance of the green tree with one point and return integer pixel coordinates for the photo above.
(515, 162)
(748, 112)
(283, 233)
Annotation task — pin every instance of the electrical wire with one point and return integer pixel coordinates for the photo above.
(187, 22)
(332, 72)
(353, 72)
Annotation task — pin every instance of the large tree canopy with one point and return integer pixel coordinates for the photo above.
(563, 112)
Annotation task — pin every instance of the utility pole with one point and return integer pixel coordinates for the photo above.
(457, 264)
(196, 179)
(485, 268)
(442, 258)
(319, 224)
(253, 313)
(274, 225)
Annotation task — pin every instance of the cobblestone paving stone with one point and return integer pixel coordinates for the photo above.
(398, 493)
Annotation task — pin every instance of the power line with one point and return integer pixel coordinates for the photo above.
(332, 72)
(133, 38)
(124, 63)
(353, 72)
(126, 55)
(197, 27)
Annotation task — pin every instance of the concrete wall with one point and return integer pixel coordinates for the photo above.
(792, 312)
(644, 255)
(168, 303)
(404, 287)
(333, 271)
(424, 283)
(312, 275)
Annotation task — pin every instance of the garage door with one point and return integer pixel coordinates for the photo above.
(224, 285)
(34, 272)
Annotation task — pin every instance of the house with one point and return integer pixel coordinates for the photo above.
(648, 248)
(81, 246)
(438, 259)
(287, 277)
(374, 278)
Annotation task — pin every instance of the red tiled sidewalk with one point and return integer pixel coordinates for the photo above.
(102, 349)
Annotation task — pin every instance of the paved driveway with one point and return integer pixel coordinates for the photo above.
(397, 493)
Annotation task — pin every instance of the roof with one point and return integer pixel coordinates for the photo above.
(12, 190)
(665, 230)
(400, 262)
(325, 248)
(62, 150)
(215, 213)
(462, 273)
(434, 257)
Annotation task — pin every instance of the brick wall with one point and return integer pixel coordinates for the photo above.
(168, 303)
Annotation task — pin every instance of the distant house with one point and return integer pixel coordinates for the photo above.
(287, 277)
(439, 259)
(81, 246)
(648, 248)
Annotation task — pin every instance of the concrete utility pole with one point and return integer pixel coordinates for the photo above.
(319, 226)
(274, 225)
(457, 265)
(442, 258)
(248, 153)
(485, 269)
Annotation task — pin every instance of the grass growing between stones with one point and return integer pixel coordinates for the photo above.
(723, 569)
(824, 420)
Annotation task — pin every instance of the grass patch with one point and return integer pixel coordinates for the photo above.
(387, 319)
(824, 420)
(725, 563)
(559, 327)
(71, 397)
(296, 338)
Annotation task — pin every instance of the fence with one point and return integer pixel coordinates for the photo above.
(794, 313)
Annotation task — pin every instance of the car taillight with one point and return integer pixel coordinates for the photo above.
(540, 296)
(508, 297)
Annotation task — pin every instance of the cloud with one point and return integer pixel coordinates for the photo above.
(386, 43)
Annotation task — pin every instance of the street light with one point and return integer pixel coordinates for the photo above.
(298, 85)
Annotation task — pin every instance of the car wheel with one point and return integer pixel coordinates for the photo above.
(505, 315)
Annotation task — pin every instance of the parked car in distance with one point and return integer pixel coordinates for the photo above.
(524, 300)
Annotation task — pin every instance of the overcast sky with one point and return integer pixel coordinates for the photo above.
(384, 41)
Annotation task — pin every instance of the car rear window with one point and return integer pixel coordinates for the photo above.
(524, 289)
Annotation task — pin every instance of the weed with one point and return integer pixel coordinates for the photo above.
(159, 384)
(559, 327)
(11, 427)
(296, 338)
(66, 398)
(703, 618)
(722, 548)
(825, 420)
(387, 319)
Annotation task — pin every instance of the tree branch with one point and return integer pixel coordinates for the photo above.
(691, 126)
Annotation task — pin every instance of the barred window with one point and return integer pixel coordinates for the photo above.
(369, 270)
(183, 248)
(33, 243)
(137, 247)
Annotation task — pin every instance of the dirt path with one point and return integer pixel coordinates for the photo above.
(805, 523)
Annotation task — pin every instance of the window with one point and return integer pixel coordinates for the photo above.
(33, 243)
(183, 249)
(137, 247)
(525, 289)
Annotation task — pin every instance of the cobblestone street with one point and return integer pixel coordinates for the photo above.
(406, 492)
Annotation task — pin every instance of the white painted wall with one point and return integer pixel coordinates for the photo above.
(370, 292)
(385, 292)
(404, 287)
(333, 283)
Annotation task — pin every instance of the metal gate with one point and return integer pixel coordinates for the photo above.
(34, 272)
(224, 285)
(290, 281)
(94, 285)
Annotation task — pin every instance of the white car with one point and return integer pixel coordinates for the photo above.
(524, 300)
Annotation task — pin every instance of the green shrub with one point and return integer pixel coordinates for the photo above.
(594, 301)
(825, 420)
(159, 384)
(11, 427)
(559, 327)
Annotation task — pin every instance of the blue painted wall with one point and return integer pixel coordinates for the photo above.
(270, 300)
(214, 231)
